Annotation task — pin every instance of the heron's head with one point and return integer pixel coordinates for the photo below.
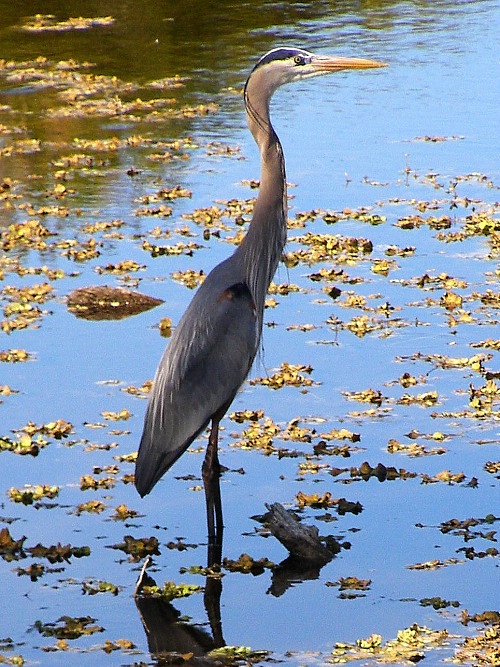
(285, 64)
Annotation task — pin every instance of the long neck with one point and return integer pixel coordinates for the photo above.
(261, 249)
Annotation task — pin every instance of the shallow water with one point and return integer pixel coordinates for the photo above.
(353, 140)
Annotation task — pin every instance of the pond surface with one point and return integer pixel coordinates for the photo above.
(114, 134)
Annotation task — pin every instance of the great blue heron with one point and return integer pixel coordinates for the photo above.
(213, 347)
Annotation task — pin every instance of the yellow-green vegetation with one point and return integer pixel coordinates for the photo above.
(247, 565)
(68, 627)
(290, 375)
(122, 513)
(90, 482)
(235, 654)
(14, 356)
(92, 587)
(58, 553)
(138, 548)
(48, 23)
(29, 494)
(350, 588)
(410, 646)
(170, 591)
(189, 278)
(91, 507)
(10, 549)
(259, 436)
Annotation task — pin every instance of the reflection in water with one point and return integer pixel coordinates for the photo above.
(292, 571)
(167, 635)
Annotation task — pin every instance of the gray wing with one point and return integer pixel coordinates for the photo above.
(205, 363)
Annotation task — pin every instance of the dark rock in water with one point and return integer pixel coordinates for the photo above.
(102, 302)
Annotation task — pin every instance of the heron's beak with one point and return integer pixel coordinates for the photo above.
(335, 63)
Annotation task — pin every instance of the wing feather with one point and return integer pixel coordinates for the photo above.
(205, 363)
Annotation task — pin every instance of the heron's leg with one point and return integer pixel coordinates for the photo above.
(211, 599)
(213, 587)
(211, 477)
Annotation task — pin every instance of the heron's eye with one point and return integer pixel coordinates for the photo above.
(299, 60)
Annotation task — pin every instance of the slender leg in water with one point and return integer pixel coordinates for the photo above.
(211, 477)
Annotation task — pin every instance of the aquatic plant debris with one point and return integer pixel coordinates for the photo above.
(235, 654)
(58, 553)
(48, 23)
(67, 627)
(10, 549)
(29, 494)
(92, 587)
(410, 646)
(170, 591)
(247, 565)
(138, 548)
(288, 375)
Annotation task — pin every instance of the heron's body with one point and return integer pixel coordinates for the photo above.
(215, 353)
(213, 347)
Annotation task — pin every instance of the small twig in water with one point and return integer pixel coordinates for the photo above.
(140, 580)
